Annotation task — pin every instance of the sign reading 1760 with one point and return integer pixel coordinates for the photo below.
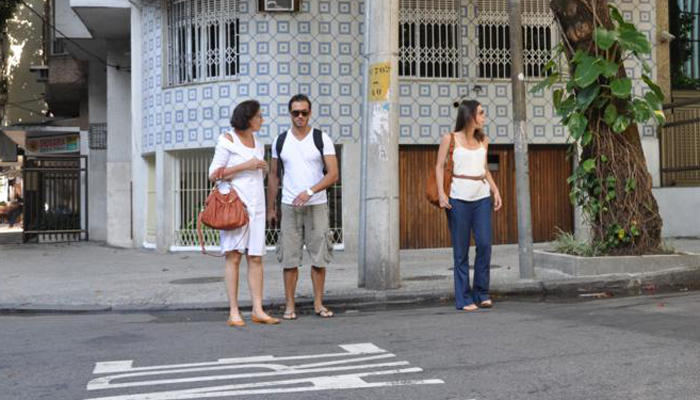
(379, 77)
(256, 375)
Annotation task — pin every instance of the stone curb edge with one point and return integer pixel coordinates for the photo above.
(682, 279)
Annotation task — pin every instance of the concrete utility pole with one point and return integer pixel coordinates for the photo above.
(379, 203)
(522, 172)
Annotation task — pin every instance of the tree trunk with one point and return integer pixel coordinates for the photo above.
(633, 210)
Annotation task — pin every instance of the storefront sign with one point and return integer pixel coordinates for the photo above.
(53, 145)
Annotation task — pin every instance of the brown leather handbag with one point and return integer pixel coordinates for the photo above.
(221, 211)
(431, 189)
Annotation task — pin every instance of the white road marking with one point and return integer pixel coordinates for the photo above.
(127, 365)
(364, 355)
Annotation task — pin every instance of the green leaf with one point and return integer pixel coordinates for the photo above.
(567, 106)
(611, 195)
(642, 113)
(630, 185)
(587, 72)
(654, 87)
(545, 83)
(621, 87)
(621, 123)
(586, 96)
(660, 117)
(633, 40)
(556, 97)
(587, 137)
(615, 14)
(604, 38)
(653, 101)
(577, 125)
(610, 68)
(611, 181)
(578, 56)
(589, 165)
(603, 158)
(610, 114)
(646, 67)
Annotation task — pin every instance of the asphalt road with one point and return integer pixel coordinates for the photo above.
(621, 348)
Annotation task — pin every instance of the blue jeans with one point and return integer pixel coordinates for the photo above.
(463, 218)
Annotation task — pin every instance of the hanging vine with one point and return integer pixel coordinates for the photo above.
(611, 183)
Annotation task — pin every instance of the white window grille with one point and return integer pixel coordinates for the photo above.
(539, 38)
(192, 187)
(202, 40)
(429, 38)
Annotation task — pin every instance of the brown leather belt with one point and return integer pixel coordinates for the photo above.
(474, 178)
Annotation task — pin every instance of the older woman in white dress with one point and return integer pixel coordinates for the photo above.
(242, 156)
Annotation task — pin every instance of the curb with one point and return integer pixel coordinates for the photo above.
(613, 285)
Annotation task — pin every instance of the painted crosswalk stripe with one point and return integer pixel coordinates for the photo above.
(365, 359)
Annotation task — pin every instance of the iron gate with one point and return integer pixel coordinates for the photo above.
(55, 198)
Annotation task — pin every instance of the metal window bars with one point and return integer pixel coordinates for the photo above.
(192, 187)
(493, 51)
(203, 40)
(429, 38)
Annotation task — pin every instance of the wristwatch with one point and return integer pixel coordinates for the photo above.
(309, 192)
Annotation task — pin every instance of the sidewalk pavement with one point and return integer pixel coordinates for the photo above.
(93, 277)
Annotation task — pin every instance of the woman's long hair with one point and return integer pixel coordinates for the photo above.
(466, 114)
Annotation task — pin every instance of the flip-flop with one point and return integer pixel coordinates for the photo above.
(324, 313)
(486, 304)
(289, 315)
(470, 308)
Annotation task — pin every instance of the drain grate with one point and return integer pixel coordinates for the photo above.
(198, 281)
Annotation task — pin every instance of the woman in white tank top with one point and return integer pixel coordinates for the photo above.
(468, 204)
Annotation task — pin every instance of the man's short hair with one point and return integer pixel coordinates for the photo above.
(243, 113)
(299, 97)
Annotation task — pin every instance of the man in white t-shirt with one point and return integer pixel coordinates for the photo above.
(308, 166)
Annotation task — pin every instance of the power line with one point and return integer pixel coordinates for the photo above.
(65, 37)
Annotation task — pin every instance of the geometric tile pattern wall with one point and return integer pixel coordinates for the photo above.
(317, 51)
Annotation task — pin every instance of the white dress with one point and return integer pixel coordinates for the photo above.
(249, 185)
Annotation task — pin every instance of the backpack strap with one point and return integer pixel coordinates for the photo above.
(318, 141)
(278, 149)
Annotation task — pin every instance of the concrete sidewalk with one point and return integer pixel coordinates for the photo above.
(89, 276)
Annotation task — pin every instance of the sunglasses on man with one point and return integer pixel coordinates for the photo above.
(297, 113)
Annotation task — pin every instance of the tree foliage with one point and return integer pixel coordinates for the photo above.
(601, 111)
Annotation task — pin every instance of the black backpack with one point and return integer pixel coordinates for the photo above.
(318, 142)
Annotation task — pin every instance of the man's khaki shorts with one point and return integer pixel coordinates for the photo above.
(305, 225)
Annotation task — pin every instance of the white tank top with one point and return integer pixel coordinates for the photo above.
(471, 163)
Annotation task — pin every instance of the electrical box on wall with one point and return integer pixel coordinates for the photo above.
(278, 5)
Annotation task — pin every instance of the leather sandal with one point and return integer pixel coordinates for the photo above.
(268, 320)
(324, 313)
(486, 304)
(236, 324)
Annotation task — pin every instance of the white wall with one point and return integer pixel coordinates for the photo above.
(651, 153)
(680, 211)
(118, 147)
(68, 22)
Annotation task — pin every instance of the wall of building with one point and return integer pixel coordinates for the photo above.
(679, 207)
(318, 51)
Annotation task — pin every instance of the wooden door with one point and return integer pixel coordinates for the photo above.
(424, 226)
